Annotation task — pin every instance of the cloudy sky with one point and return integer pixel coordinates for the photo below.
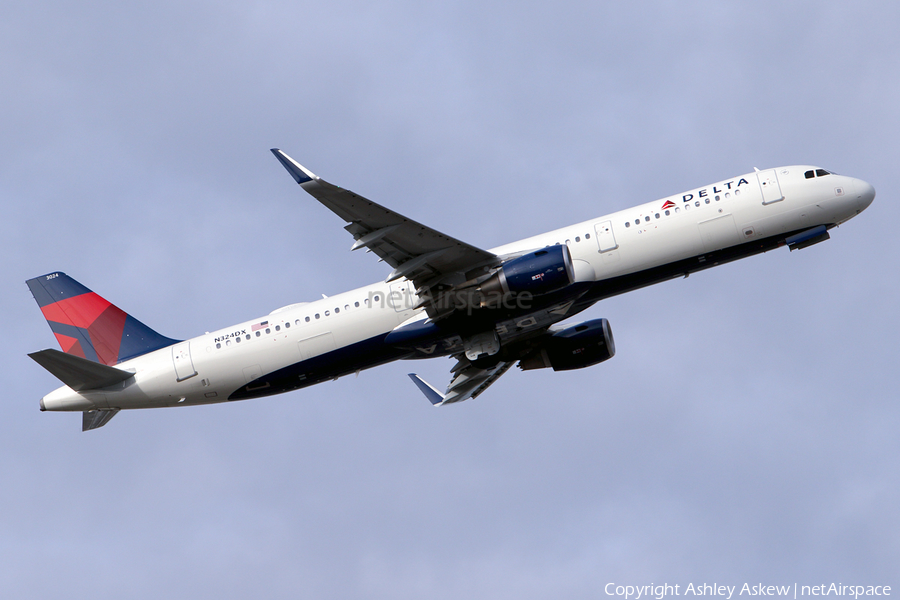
(746, 431)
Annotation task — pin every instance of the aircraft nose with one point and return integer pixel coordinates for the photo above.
(865, 194)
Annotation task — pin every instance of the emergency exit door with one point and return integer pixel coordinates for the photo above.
(606, 239)
(184, 366)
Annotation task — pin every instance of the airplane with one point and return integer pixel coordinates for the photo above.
(485, 309)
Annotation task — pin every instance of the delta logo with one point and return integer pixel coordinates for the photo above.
(668, 204)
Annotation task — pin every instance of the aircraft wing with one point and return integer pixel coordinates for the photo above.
(468, 381)
(415, 251)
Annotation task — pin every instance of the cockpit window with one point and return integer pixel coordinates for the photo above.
(817, 173)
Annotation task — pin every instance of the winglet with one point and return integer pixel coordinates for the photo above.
(434, 396)
(300, 173)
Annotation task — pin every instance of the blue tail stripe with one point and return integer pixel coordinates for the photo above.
(139, 339)
(54, 287)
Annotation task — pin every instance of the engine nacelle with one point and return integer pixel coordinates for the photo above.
(539, 272)
(575, 347)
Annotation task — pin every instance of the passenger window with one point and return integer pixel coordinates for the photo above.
(237, 340)
(577, 239)
(647, 218)
(278, 328)
(306, 319)
(356, 304)
(337, 310)
(218, 346)
(317, 315)
(327, 313)
(268, 330)
(657, 215)
(667, 212)
(697, 203)
(637, 221)
(287, 325)
(257, 334)
(587, 236)
(627, 223)
(247, 336)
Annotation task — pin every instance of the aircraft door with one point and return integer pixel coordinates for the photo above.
(768, 183)
(606, 239)
(181, 357)
(400, 298)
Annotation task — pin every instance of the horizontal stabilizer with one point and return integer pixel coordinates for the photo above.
(80, 374)
(92, 419)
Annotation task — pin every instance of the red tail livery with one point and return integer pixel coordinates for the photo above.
(88, 326)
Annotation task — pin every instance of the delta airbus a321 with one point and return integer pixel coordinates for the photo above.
(486, 309)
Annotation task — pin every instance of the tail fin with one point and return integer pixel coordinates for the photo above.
(90, 327)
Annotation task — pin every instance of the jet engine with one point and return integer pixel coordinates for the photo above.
(539, 272)
(575, 347)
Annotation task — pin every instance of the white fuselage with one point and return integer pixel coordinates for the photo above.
(734, 212)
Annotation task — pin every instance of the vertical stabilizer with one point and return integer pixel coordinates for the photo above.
(88, 326)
